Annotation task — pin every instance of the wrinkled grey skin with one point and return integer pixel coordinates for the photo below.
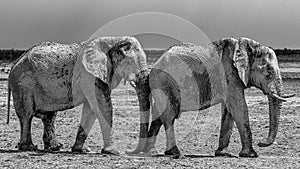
(190, 77)
(52, 77)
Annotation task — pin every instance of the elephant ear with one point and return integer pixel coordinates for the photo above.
(95, 60)
(241, 62)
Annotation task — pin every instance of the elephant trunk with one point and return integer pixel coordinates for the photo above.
(143, 91)
(275, 104)
(274, 115)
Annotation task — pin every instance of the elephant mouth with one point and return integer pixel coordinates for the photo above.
(281, 97)
(130, 78)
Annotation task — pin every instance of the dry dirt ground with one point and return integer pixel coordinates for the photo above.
(197, 137)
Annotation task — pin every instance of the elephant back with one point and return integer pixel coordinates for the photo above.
(51, 55)
(196, 70)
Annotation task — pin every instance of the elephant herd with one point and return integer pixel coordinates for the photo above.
(51, 77)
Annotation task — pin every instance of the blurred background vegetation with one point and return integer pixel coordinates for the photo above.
(284, 55)
(9, 55)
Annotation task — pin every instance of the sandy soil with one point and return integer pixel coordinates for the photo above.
(197, 137)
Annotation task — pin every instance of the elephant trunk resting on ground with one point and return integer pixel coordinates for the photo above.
(52, 77)
(191, 77)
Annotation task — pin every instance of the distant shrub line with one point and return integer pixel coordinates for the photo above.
(286, 51)
(10, 55)
(288, 55)
(284, 55)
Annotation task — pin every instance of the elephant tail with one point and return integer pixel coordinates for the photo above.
(8, 104)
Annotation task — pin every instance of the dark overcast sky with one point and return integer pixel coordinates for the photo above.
(23, 23)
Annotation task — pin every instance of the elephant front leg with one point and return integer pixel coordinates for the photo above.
(239, 110)
(246, 137)
(88, 118)
(105, 120)
(225, 132)
(104, 111)
(49, 136)
(98, 97)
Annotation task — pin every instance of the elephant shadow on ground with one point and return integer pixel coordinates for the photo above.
(226, 155)
(43, 152)
(9, 151)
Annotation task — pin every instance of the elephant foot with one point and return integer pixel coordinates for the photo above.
(249, 153)
(147, 152)
(174, 152)
(152, 152)
(80, 149)
(27, 147)
(53, 146)
(265, 143)
(221, 153)
(135, 151)
(139, 149)
(110, 151)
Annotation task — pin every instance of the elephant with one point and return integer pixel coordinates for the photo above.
(51, 77)
(189, 77)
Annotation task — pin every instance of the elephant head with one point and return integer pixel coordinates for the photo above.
(101, 64)
(257, 66)
(112, 59)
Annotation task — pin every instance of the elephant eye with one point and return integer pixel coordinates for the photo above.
(126, 62)
(127, 48)
(270, 68)
(119, 52)
(238, 53)
(270, 71)
(269, 76)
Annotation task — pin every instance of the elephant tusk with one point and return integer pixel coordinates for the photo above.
(288, 95)
(132, 83)
(125, 78)
(282, 99)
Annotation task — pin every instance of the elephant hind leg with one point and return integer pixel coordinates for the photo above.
(49, 137)
(172, 148)
(24, 107)
(168, 118)
(152, 134)
(225, 132)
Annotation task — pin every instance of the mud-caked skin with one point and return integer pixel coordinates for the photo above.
(51, 77)
(190, 77)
